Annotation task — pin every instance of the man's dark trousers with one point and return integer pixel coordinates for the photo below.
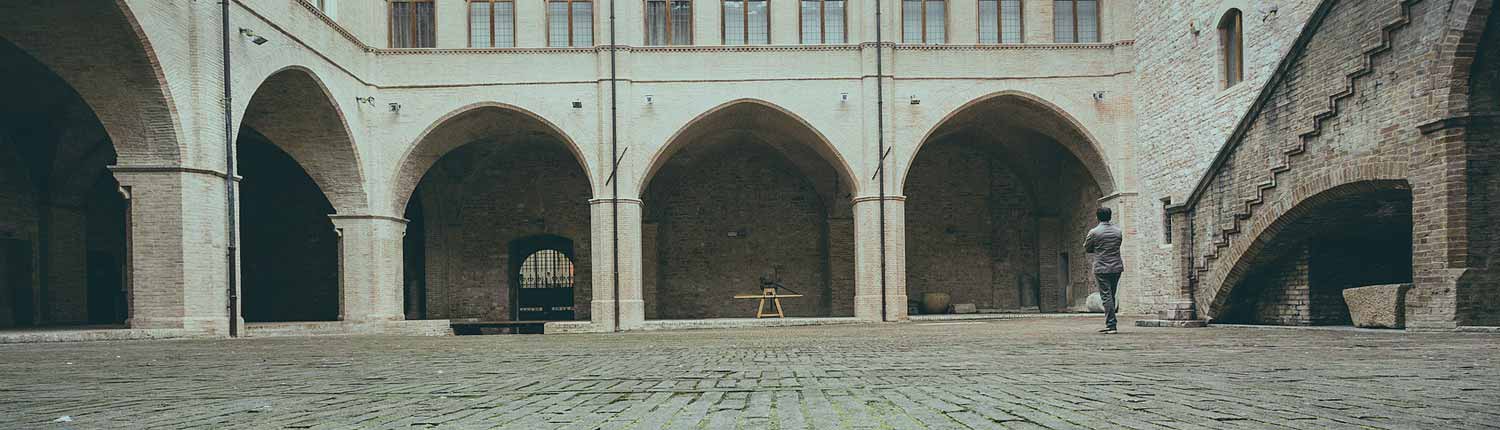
(1108, 283)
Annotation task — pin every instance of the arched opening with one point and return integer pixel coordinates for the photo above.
(999, 198)
(299, 167)
(1479, 292)
(1352, 235)
(63, 258)
(1232, 47)
(489, 187)
(744, 192)
(543, 279)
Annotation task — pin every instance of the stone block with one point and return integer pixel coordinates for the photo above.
(965, 308)
(1379, 306)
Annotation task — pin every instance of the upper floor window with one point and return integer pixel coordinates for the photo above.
(924, 21)
(1232, 37)
(1000, 21)
(669, 22)
(747, 22)
(823, 21)
(492, 24)
(1075, 21)
(411, 24)
(570, 23)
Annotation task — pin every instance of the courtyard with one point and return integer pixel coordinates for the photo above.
(1017, 373)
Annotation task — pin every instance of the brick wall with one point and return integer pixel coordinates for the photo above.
(970, 226)
(480, 198)
(1184, 112)
(738, 185)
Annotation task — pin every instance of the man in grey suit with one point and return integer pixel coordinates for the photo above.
(1104, 243)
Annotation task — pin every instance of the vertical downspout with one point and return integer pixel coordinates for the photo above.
(231, 272)
(614, 146)
(880, 152)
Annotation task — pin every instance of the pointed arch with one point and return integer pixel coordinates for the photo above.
(294, 110)
(704, 123)
(1069, 132)
(468, 124)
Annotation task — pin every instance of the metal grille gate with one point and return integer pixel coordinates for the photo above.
(546, 287)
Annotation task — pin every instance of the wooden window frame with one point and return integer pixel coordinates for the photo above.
(1098, 21)
(1000, 21)
(724, 29)
(1232, 43)
(923, 25)
(390, 24)
(823, 21)
(646, 26)
(470, 25)
(547, 27)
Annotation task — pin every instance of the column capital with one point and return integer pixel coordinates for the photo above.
(338, 217)
(123, 171)
(870, 199)
(624, 201)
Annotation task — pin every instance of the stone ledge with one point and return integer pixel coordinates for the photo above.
(94, 335)
(1172, 323)
(726, 323)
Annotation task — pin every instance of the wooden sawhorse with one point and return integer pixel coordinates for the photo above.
(768, 294)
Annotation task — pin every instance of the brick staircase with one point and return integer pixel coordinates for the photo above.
(1313, 130)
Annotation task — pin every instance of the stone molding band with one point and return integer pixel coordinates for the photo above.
(171, 169)
(867, 199)
(369, 216)
(606, 201)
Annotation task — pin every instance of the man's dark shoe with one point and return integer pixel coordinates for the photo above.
(1106, 330)
(1110, 331)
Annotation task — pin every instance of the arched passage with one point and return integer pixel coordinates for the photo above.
(744, 191)
(478, 185)
(1350, 235)
(999, 197)
(1479, 290)
(299, 166)
(63, 250)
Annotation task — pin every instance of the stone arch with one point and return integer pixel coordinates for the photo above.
(294, 110)
(1073, 135)
(1266, 225)
(1456, 54)
(701, 125)
(110, 63)
(466, 125)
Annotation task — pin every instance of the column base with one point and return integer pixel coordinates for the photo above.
(867, 308)
(1172, 323)
(192, 326)
(633, 314)
(1180, 314)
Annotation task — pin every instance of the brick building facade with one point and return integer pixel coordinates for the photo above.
(163, 171)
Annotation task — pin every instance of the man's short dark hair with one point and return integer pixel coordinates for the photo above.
(1104, 214)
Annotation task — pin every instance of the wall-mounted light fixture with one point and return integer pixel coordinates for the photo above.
(649, 99)
(395, 107)
(1099, 96)
(915, 100)
(365, 100)
(254, 38)
(843, 97)
(577, 104)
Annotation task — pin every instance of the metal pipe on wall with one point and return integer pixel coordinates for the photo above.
(231, 270)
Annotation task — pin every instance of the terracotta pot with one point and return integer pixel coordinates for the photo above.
(936, 303)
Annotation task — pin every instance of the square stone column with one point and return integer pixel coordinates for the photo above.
(370, 267)
(867, 259)
(632, 309)
(177, 237)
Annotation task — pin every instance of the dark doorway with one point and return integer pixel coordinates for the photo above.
(543, 275)
(15, 281)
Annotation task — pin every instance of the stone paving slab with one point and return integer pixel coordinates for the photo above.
(1016, 373)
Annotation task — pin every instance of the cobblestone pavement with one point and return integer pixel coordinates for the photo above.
(1028, 373)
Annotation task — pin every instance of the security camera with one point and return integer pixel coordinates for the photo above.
(254, 38)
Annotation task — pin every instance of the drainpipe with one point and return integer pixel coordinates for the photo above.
(231, 269)
(614, 161)
(880, 152)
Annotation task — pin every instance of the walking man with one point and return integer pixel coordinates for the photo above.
(1104, 243)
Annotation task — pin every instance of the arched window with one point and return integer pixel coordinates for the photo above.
(1232, 42)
